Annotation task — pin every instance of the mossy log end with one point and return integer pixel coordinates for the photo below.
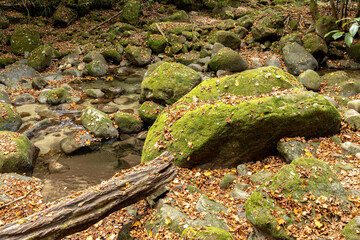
(83, 209)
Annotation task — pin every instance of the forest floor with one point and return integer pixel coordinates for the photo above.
(205, 180)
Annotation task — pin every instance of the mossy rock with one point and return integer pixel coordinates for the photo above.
(168, 83)
(269, 28)
(228, 60)
(96, 68)
(120, 27)
(112, 55)
(128, 123)
(17, 153)
(170, 27)
(98, 123)
(130, 12)
(24, 39)
(294, 37)
(4, 22)
(139, 56)
(354, 51)
(297, 180)
(10, 119)
(57, 96)
(64, 16)
(180, 16)
(315, 44)
(40, 57)
(208, 233)
(228, 39)
(352, 230)
(250, 82)
(324, 25)
(149, 111)
(248, 130)
(157, 43)
(187, 58)
(6, 60)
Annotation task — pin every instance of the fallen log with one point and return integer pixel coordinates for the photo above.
(81, 210)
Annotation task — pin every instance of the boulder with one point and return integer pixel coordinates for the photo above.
(170, 27)
(24, 39)
(168, 83)
(324, 25)
(64, 16)
(90, 56)
(269, 28)
(228, 60)
(17, 153)
(112, 55)
(6, 60)
(94, 93)
(40, 57)
(297, 59)
(187, 58)
(247, 130)
(310, 79)
(149, 111)
(138, 56)
(228, 39)
(316, 45)
(352, 230)
(306, 184)
(4, 97)
(23, 99)
(248, 83)
(130, 12)
(354, 51)
(245, 22)
(180, 16)
(57, 95)
(75, 142)
(128, 123)
(13, 75)
(96, 68)
(10, 119)
(294, 37)
(209, 233)
(157, 43)
(98, 123)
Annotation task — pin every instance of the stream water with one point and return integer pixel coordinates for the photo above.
(90, 166)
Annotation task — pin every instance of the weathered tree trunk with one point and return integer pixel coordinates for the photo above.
(79, 211)
(333, 9)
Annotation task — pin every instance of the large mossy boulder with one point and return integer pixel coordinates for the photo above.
(98, 123)
(10, 119)
(308, 186)
(229, 60)
(248, 83)
(40, 57)
(24, 39)
(352, 230)
(269, 28)
(234, 130)
(228, 39)
(130, 12)
(168, 83)
(297, 59)
(138, 56)
(149, 111)
(17, 153)
(208, 233)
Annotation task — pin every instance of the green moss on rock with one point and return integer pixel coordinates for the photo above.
(248, 83)
(17, 153)
(130, 12)
(24, 39)
(168, 83)
(297, 180)
(57, 96)
(149, 111)
(157, 43)
(40, 57)
(208, 233)
(98, 123)
(128, 123)
(10, 119)
(248, 130)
